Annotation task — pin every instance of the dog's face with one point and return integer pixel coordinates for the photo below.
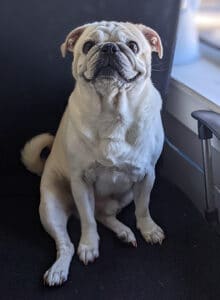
(112, 53)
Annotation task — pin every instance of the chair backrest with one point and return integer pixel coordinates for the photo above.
(37, 81)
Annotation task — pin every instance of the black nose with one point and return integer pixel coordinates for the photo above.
(109, 48)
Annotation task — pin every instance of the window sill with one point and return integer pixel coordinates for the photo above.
(202, 78)
(194, 86)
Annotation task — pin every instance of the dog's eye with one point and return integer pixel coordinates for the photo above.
(87, 46)
(133, 46)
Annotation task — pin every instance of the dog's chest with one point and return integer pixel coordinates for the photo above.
(116, 139)
(113, 179)
(123, 149)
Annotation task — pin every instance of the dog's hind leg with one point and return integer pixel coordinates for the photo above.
(106, 214)
(55, 208)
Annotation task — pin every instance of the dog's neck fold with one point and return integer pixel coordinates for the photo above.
(98, 117)
(112, 99)
(114, 124)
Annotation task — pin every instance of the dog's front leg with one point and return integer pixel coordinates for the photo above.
(84, 199)
(151, 232)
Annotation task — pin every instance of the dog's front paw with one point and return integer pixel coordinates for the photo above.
(151, 232)
(87, 253)
(57, 274)
(88, 249)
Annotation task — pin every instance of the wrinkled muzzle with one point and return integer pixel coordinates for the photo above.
(111, 62)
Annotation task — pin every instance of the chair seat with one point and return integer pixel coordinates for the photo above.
(186, 266)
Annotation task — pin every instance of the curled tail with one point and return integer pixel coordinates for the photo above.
(31, 153)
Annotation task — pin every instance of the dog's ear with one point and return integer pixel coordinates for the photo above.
(71, 39)
(153, 38)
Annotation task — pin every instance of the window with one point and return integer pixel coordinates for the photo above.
(208, 22)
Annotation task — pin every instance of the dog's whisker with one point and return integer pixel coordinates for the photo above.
(159, 70)
(160, 64)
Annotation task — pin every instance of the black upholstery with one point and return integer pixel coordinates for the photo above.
(35, 86)
(208, 119)
(38, 81)
(185, 267)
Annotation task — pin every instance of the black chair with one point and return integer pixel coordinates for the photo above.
(208, 124)
(37, 83)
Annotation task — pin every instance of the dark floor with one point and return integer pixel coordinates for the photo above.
(186, 266)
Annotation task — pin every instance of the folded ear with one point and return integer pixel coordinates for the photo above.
(71, 39)
(153, 38)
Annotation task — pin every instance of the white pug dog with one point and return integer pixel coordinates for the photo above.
(107, 144)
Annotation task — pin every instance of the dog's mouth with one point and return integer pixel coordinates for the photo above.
(109, 72)
(111, 69)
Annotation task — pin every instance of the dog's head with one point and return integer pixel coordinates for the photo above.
(112, 53)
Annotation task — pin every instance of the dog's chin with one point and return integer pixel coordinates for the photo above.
(113, 75)
(108, 80)
(106, 72)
